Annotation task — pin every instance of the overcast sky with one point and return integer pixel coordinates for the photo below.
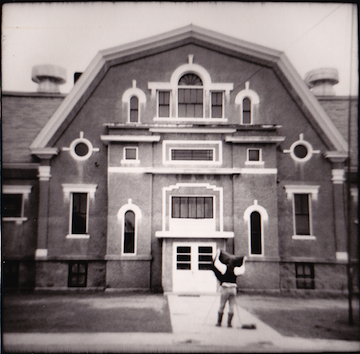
(312, 35)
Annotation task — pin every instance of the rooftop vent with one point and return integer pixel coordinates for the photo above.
(49, 77)
(321, 81)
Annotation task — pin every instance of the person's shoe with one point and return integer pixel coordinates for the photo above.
(230, 316)
(220, 315)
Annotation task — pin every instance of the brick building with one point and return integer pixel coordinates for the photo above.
(167, 149)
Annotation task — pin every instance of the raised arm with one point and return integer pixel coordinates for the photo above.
(221, 267)
(240, 270)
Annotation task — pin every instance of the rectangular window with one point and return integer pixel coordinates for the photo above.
(302, 214)
(192, 207)
(216, 104)
(10, 276)
(12, 205)
(164, 104)
(77, 274)
(183, 257)
(79, 213)
(305, 276)
(130, 153)
(192, 154)
(205, 257)
(254, 155)
(190, 103)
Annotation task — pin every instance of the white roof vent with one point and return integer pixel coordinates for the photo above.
(321, 81)
(49, 77)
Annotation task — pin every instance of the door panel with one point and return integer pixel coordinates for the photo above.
(191, 267)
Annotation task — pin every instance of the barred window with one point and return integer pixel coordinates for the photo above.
(192, 154)
(77, 274)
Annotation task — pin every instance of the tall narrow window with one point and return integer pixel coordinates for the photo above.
(79, 213)
(190, 99)
(164, 104)
(216, 105)
(129, 232)
(134, 109)
(246, 111)
(302, 214)
(255, 230)
(10, 274)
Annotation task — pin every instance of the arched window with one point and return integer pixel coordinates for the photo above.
(129, 232)
(246, 111)
(255, 233)
(190, 96)
(134, 109)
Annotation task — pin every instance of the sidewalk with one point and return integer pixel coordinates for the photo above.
(193, 321)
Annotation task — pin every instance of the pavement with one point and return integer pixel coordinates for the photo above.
(193, 321)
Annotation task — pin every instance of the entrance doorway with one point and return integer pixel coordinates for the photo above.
(192, 267)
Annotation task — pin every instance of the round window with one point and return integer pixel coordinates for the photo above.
(300, 151)
(81, 149)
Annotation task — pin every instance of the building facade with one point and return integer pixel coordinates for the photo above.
(166, 150)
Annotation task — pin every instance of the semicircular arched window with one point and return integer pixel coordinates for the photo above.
(190, 97)
(246, 111)
(129, 232)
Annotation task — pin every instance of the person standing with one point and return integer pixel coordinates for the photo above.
(227, 268)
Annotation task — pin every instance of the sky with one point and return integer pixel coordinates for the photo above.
(312, 35)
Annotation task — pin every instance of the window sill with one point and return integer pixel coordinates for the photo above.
(255, 163)
(190, 119)
(303, 237)
(130, 162)
(74, 236)
(18, 220)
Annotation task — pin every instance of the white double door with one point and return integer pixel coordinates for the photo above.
(191, 267)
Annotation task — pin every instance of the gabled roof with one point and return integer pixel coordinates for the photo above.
(196, 35)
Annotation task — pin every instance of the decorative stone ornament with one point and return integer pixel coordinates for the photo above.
(81, 149)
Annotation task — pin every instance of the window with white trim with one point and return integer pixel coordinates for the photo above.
(130, 155)
(246, 117)
(192, 207)
(134, 110)
(254, 157)
(79, 196)
(217, 104)
(163, 104)
(255, 233)
(129, 233)
(301, 214)
(13, 202)
(190, 97)
(79, 213)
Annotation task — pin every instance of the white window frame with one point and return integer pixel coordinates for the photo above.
(121, 217)
(248, 162)
(312, 192)
(158, 103)
(264, 217)
(254, 100)
(130, 161)
(25, 191)
(68, 191)
(138, 110)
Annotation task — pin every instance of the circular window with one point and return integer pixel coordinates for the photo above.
(81, 149)
(300, 151)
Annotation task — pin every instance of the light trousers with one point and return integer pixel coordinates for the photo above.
(227, 294)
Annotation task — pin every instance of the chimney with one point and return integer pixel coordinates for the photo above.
(321, 81)
(49, 77)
